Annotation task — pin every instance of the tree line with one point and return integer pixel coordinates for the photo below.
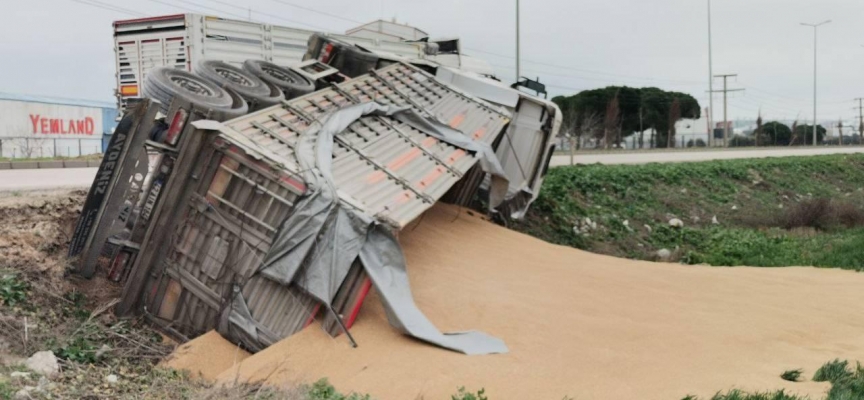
(611, 114)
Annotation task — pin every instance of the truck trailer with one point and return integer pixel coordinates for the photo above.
(258, 195)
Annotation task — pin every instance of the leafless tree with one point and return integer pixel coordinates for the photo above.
(758, 128)
(674, 116)
(570, 126)
(840, 130)
(610, 124)
(861, 132)
(794, 132)
(30, 147)
(590, 126)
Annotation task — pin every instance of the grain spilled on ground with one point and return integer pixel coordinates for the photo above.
(580, 324)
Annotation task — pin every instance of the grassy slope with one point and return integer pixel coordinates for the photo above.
(733, 191)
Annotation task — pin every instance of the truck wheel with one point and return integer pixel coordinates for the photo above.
(290, 82)
(166, 83)
(248, 86)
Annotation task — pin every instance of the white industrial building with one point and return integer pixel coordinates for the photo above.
(38, 126)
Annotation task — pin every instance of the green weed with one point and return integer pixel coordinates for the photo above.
(832, 371)
(846, 384)
(463, 394)
(792, 375)
(323, 390)
(13, 290)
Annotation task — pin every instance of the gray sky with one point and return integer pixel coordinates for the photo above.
(64, 48)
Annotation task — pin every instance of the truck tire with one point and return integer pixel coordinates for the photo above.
(165, 84)
(290, 82)
(248, 86)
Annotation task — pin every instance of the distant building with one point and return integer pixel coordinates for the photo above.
(40, 126)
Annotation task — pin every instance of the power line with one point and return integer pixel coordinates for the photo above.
(791, 99)
(176, 6)
(213, 9)
(588, 70)
(318, 11)
(586, 78)
(110, 7)
(274, 16)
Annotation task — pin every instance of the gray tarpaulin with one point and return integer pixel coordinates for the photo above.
(317, 244)
(382, 257)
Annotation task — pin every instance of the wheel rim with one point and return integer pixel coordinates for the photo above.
(234, 77)
(193, 86)
(280, 74)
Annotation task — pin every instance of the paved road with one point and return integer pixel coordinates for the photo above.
(627, 157)
(41, 179)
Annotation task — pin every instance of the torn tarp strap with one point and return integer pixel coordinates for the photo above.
(296, 237)
(384, 262)
(333, 254)
(236, 323)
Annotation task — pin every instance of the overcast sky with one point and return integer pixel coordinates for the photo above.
(64, 47)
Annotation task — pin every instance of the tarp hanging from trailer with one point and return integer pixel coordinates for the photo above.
(317, 244)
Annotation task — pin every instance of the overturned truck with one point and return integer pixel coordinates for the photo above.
(258, 224)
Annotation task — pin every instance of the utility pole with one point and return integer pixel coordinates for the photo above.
(815, 58)
(725, 91)
(861, 119)
(710, 113)
(518, 71)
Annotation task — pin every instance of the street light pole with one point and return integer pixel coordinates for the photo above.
(518, 72)
(815, 60)
(710, 83)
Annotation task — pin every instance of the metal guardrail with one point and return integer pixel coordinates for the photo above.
(684, 141)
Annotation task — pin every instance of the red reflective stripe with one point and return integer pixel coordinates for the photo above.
(403, 197)
(457, 120)
(429, 142)
(295, 183)
(149, 19)
(455, 156)
(376, 177)
(404, 159)
(431, 177)
(479, 133)
(367, 284)
(312, 315)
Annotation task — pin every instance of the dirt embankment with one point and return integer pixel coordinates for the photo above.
(35, 230)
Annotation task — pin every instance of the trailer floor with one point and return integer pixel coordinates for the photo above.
(580, 325)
